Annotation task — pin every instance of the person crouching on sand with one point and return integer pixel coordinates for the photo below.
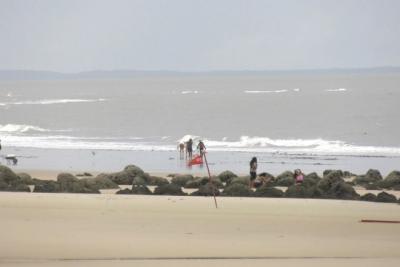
(298, 176)
(262, 179)
(253, 171)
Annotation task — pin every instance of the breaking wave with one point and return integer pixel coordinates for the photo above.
(337, 90)
(265, 91)
(244, 144)
(90, 143)
(189, 92)
(20, 128)
(52, 101)
(317, 146)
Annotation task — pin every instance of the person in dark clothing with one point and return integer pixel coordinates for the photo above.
(189, 147)
(253, 171)
(202, 148)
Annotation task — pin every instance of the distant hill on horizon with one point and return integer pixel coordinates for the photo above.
(128, 74)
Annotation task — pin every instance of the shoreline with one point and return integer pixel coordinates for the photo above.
(71, 160)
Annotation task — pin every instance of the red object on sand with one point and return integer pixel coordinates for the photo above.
(196, 160)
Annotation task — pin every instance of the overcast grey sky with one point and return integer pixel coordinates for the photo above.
(72, 36)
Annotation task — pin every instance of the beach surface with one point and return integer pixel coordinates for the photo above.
(42, 229)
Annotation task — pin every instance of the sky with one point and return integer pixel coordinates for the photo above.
(202, 35)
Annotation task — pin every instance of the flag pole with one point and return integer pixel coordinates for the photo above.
(210, 180)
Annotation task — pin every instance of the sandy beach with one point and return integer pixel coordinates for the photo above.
(199, 133)
(42, 229)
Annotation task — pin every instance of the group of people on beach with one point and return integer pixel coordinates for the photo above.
(186, 149)
(261, 179)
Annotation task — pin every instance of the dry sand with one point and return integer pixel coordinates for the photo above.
(39, 229)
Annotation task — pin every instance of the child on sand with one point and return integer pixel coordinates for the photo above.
(253, 171)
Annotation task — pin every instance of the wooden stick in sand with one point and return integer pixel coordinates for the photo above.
(210, 179)
(378, 221)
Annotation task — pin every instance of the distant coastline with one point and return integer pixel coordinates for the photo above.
(16, 75)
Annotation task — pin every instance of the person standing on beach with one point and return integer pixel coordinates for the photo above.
(253, 171)
(202, 148)
(0, 144)
(181, 148)
(189, 148)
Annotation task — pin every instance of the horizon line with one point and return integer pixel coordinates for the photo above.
(205, 71)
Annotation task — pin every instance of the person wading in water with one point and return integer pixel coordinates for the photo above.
(189, 148)
(202, 148)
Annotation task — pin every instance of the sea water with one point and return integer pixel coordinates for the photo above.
(308, 121)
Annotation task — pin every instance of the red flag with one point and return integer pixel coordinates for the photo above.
(196, 160)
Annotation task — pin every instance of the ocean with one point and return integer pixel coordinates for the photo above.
(308, 121)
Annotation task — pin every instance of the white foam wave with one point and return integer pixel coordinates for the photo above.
(265, 91)
(189, 92)
(186, 138)
(244, 144)
(310, 146)
(20, 128)
(246, 141)
(92, 143)
(296, 89)
(317, 146)
(337, 90)
(52, 101)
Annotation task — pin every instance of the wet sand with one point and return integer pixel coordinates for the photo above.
(43, 229)
(70, 160)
